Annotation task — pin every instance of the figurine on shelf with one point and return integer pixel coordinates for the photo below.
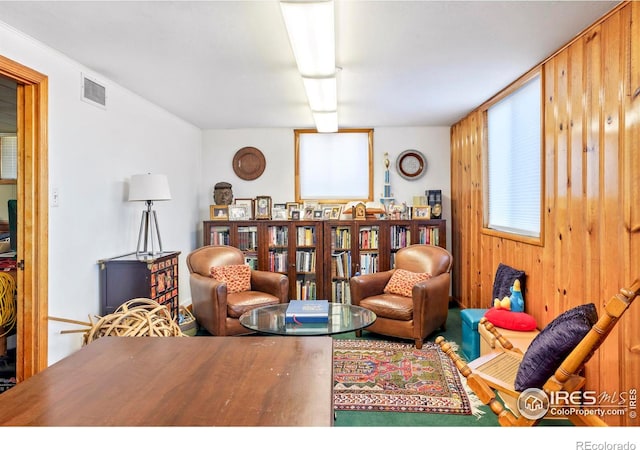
(222, 193)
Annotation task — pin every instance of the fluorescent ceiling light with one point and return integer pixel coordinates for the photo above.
(321, 93)
(326, 121)
(311, 31)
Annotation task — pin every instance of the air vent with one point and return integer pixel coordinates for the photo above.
(93, 92)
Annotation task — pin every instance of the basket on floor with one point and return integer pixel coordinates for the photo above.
(187, 322)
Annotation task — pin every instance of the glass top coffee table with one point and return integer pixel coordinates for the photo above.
(342, 319)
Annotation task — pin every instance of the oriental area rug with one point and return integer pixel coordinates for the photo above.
(373, 375)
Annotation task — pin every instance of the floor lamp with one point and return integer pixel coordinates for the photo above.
(149, 188)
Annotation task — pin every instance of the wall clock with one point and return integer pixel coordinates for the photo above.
(411, 164)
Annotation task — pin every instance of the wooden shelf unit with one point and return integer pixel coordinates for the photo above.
(319, 256)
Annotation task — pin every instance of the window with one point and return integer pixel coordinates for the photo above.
(8, 156)
(514, 162)
(333, 167)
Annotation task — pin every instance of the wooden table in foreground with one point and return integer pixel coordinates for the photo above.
(189, 381)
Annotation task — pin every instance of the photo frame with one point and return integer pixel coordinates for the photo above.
(292, 206)
(279, 214)
(336, 211)
(318, 214)
(295, 214)
(326, 212)
(248, 202)
(421, 212)
(308, 212)
(218, 212)
(263, 207)
(239, 212)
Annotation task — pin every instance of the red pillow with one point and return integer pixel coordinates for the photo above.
(518, 321)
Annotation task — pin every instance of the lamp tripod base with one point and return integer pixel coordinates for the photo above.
(149, 242)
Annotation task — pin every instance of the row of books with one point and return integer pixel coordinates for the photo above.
(306, 236)
(305, 261)
(220, 237)
(429, 235)
(278, 261)
(306, 289)
(278, 236)
(247, 238)
(341, 265)
(341, 238)
(369, 237)
(368, 263)
(340, 292)
(400, 236)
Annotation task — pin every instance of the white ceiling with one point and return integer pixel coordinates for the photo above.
(228, 64)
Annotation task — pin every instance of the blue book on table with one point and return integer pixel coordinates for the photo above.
(301, 311)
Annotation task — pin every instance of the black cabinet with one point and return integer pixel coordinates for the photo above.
(129, 276)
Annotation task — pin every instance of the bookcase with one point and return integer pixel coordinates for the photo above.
(320, 256)
(289, 247)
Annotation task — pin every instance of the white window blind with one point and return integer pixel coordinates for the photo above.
(514, 162)
(334, 166)
(8, 157)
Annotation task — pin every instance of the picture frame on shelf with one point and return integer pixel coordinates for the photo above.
(263, 207)
(248, 202)
(421, 212)
(295, 214)
(292, 206)
(239, 212)
(279, 214)
(326, 212)
(318, 214)
(308, 212)
(219, 212)
(336, 211)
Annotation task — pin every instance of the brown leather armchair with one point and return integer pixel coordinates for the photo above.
(408, 317)
(216, 310)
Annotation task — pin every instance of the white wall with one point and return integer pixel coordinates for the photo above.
(92, 154)
(277, 181)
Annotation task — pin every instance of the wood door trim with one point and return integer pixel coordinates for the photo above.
(33, 218)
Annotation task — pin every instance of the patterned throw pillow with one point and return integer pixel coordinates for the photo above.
(237, 277)
(402, 282)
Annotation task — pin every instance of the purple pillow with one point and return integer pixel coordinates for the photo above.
(554, 343)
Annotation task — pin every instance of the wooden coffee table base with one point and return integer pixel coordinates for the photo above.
(189, 381)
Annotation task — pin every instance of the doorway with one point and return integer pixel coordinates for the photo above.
(32, 218)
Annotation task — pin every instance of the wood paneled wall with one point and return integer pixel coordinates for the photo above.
(591, 200)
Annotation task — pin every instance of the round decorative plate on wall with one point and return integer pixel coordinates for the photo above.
(411, 164)
(249, 163)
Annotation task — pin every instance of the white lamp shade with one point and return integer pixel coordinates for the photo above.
(153, 187)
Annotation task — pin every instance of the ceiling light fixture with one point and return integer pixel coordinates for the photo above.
(311, 29)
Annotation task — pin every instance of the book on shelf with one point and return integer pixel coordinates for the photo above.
(304, 311)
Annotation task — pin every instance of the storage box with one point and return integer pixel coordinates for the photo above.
(470, 337)
(519, 339)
